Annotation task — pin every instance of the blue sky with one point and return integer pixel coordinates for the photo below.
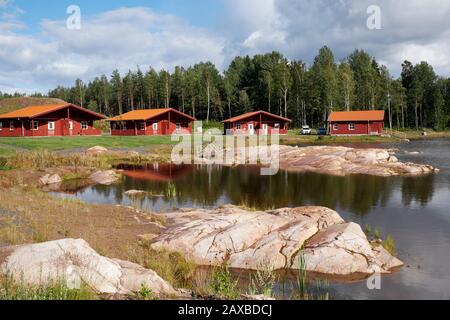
(38, 51)
(197, 12)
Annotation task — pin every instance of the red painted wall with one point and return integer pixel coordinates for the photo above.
(231, 128)
(361, 128)
(60, 120)
(164, 126)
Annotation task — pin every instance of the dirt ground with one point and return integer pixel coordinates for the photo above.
(36, 216)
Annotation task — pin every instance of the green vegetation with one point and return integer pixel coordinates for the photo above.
(171, 266)
(263, 280)
(306, 94)
(389, 244)
(223, 285)
(145, 293)
(171, 191)
(367, 229)
(376, 234)
(11, 290)
(301, 277)
(45, 159)
(67, 143)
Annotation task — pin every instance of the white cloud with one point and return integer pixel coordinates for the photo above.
(411, 29)
(122, 39)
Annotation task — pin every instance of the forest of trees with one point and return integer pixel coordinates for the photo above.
(417, 99)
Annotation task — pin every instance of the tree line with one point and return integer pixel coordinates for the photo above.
(271, 82)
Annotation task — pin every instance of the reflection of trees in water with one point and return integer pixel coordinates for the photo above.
(206, 185)
(356, 193)
(419, 189)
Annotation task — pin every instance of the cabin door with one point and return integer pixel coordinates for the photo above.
(265, 128)
(251, 128)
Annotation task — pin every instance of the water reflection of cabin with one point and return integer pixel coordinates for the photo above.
(156, 171)
(258, 122)
(151, 122)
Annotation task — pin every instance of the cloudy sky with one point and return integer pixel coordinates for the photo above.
(38, 51)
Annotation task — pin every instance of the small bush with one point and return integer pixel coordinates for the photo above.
(376, 234)
(222, 284)
(389, 244)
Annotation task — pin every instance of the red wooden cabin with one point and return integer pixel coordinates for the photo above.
(151, 122)
(49, 120)
(357, 122)
(258, 122)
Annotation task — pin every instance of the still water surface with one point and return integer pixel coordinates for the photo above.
(414, 210)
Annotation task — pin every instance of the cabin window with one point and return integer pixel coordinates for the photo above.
(277, 126)
(35, 125)
(155, 126)
(335, 126)
(70, 125)
(51, 126)
(351, 126)
(11, 126)
(178, 126)
(84, 125)
(1, 126)
(142, 126)
(238, 126)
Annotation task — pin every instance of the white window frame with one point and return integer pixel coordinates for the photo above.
(51, 125)
(238, 126)
(351, 126)
(70, 125)
(142, 126)
(12, 127)
(84, 125)
(35, 125)
(335, 126)
(276, 126)
(155, 126)
(1, 126)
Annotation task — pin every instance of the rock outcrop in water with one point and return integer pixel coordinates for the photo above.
(334, 160)
(107, 177)
(75, 262)
(277, 238)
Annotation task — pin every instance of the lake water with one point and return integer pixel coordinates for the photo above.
(414, 210)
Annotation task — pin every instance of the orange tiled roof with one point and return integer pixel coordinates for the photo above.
(34, 111)
(371, 115)
(145, 114)
(251, 114)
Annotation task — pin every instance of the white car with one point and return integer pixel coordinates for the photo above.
(306, 130)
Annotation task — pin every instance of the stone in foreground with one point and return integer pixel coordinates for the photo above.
(75, 262)
(275, 239)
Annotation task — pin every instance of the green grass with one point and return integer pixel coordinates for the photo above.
(10, 290)
(8, 145)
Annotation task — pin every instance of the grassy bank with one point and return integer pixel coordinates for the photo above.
(67, 143)
(10, 145)
(293, 137)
